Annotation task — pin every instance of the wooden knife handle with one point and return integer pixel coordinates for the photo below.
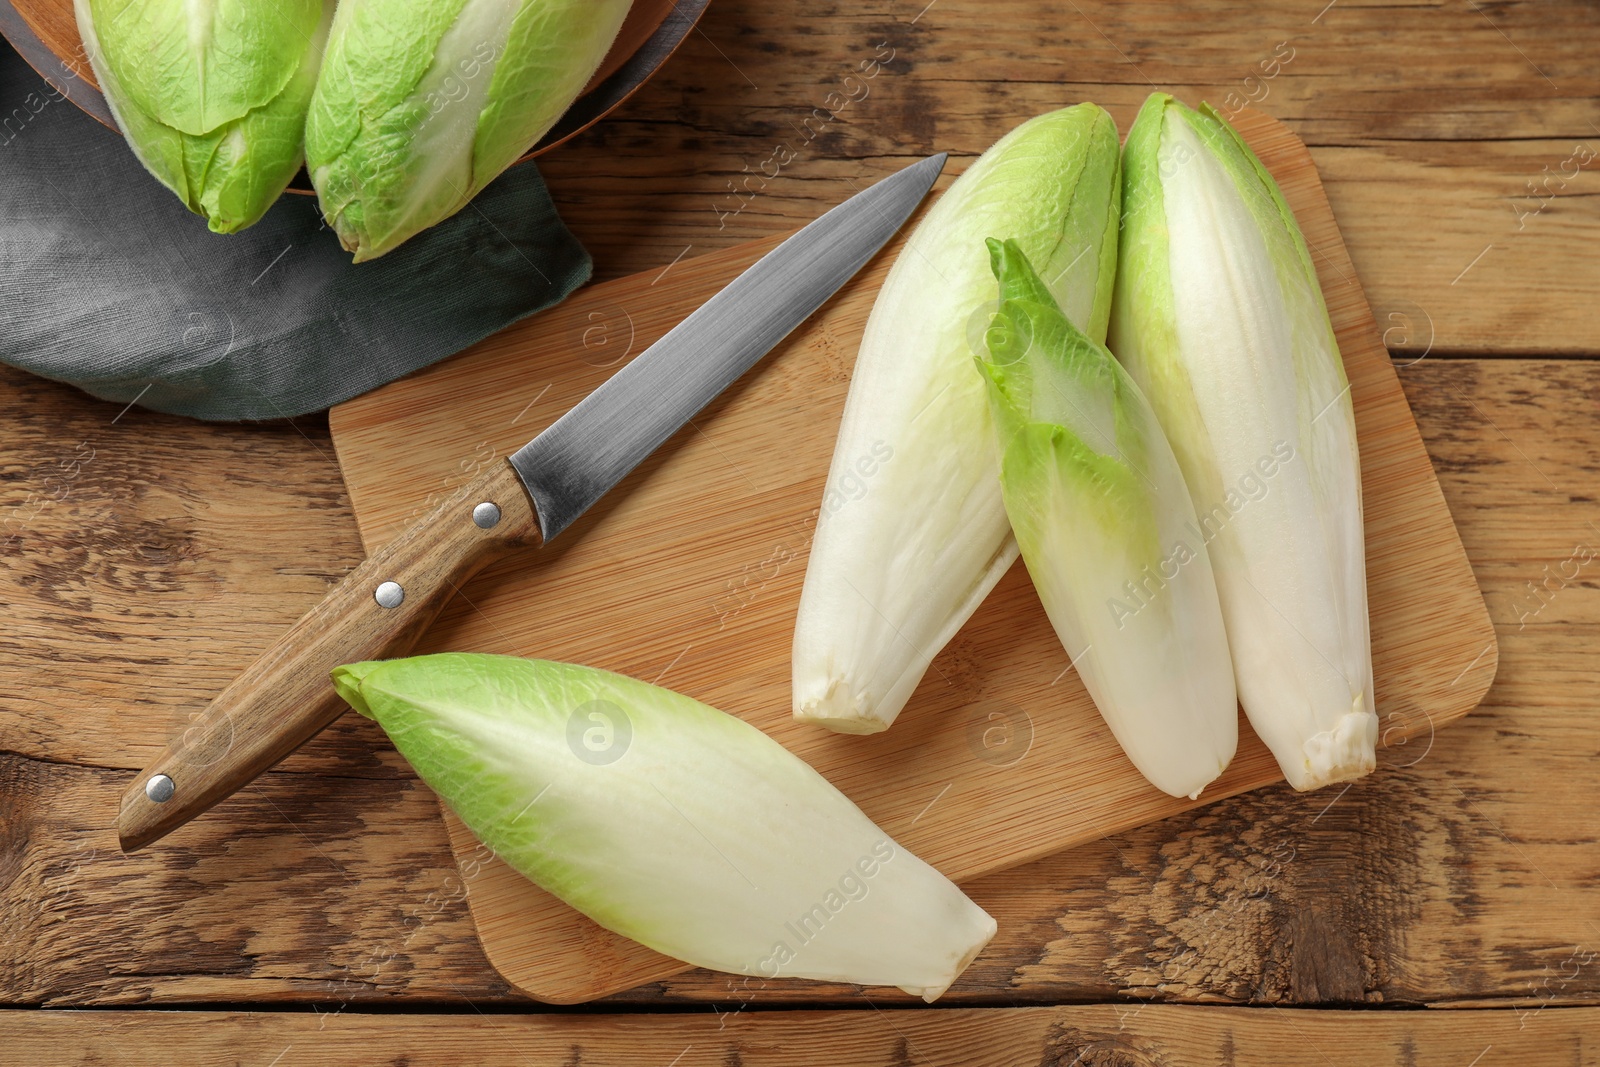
(285, 697)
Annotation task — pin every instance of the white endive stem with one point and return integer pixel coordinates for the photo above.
(912, 532)
(1220, 318)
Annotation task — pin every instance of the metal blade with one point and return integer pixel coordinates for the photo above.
(593, 447)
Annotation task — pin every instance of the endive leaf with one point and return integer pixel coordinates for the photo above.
(197, 66)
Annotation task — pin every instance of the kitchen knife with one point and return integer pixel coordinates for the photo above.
(384, 604)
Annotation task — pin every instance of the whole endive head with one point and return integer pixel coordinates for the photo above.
(1105, 524)
(420, 105)
(211, 94)
(670, 822)
(893, 576)
(1219, 316)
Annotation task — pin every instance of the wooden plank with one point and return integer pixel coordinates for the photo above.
(650, 587)
(1475, 238)
(1427, 122)
(1128, 1036)
(1434, 289)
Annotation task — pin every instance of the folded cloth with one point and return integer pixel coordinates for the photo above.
(109, 283)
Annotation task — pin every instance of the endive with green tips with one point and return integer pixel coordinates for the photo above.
(1220, 319)
(422, 103)
(1109, 535)
(669, 822)
(211, 94)
(903, 557)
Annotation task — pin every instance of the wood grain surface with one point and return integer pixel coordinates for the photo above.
(147, 560)
(1078, 1036)
(690, 575)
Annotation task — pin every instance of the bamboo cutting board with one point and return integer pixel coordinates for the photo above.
(688, 574)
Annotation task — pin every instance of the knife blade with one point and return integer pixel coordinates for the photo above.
(384, 604)
(590, 448)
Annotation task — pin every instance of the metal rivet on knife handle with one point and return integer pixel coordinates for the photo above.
(160, 788)
(486, 515)
(389, 595)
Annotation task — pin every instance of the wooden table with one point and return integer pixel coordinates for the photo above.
(149, 558)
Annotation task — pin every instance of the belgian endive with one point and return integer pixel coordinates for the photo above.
(211, 94)
(1109, 535)
(912, 531)
(669, 822)
(421, 103)
(1220, 318)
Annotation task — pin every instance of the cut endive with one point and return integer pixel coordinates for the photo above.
(1109, 535)
(669, 822)
(421, 103)
(912, 532)
(1220, 318)
(211, 94)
